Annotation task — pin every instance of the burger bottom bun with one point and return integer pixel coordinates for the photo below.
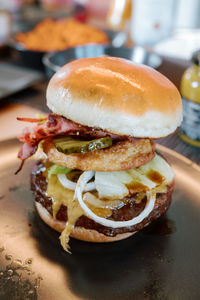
(79, 233)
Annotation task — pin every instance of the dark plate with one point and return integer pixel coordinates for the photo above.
(160, 262)
(53, 61)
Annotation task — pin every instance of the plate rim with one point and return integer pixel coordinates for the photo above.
(179, 156)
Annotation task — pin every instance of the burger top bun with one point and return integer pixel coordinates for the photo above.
(116, 95)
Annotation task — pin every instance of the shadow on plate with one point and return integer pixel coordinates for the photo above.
(111, 270)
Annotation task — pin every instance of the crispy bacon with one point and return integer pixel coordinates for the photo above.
(55, 125)
(32, 120)
(25, 152)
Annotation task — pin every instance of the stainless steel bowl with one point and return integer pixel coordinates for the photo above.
(54, 60)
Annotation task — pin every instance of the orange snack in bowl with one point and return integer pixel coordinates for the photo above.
(52, 35)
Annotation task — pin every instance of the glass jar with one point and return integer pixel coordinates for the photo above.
(190, 91)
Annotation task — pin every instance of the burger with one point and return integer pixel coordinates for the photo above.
(99, 177)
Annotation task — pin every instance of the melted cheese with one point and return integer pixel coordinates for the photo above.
(74, 213)
(59, 194)
(63, 196)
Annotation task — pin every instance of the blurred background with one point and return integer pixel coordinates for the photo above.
(170, 28)
(155, 23)
(37, 37)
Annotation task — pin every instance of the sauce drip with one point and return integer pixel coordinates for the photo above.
(136, 187)
(155, 176)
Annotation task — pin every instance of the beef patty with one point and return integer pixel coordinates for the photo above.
(128, 211)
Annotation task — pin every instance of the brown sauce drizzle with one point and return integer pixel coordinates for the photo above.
(136, 187)
(155, 176)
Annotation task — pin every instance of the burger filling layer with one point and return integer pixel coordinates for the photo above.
(96, 179)
(88, 147)
(114, 202)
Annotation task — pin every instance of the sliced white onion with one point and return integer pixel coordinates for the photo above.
(109, 186)
(72, 185)
(136, 176)
(160, 165)
(84, 178)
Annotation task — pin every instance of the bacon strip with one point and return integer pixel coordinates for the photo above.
(55, 125)
(32, 120)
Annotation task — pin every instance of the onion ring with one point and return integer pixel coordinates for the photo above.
(82, 181)
(72, 185)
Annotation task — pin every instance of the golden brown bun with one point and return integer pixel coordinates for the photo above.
(79, 233)
(116, 95)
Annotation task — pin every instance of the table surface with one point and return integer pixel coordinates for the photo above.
(35, 97)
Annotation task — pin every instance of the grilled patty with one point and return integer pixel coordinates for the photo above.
(128, 211)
